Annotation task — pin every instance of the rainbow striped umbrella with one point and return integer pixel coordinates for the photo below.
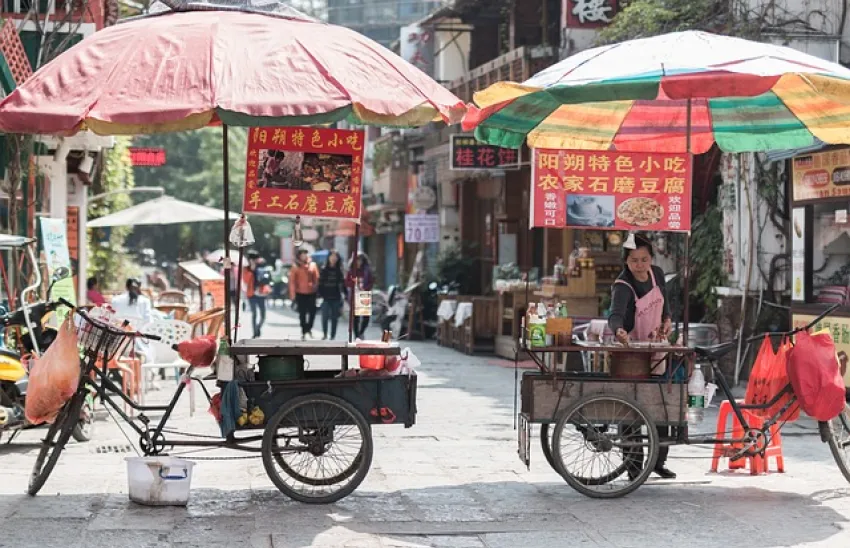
(642, 95)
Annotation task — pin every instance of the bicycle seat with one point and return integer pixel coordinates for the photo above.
(715, 351)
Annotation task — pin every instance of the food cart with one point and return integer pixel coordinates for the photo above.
(658, 100)
(820, 244)
(297, 166)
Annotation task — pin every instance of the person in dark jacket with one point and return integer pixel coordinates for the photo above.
(360, 278)
(331, 286)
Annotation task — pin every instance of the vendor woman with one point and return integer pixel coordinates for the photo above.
(640, 311)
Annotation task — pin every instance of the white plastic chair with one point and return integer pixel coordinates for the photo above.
(171, 332)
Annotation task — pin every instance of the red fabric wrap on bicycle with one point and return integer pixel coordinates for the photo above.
(200, 351)
(54, 377)
(814, 372)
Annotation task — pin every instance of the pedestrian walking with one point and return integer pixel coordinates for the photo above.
(303, 284)
(359, 278)
(331, 287)
(256, 285)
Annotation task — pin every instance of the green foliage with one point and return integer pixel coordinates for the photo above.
(108, 260)
(707, 259)
(454, 264)
(645, 18)
(194, 173)
(383, 157)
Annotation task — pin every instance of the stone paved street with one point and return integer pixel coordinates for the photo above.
(452, 481)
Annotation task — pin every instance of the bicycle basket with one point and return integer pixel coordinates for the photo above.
(99, 339)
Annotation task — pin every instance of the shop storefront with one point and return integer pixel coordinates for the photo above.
(820, 244)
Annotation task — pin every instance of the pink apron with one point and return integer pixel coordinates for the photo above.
(649, 311)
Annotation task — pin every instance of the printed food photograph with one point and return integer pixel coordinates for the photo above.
(586, 210)
(305, 171)
(640, 211)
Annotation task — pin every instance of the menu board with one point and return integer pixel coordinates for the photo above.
(605, 190)
(821, 175)
(311, 172)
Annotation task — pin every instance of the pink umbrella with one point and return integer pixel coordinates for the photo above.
(195, 66)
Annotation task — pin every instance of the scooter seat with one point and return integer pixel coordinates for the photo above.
(9, 354)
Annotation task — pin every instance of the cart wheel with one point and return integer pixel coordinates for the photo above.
(322, 444)
(546, 445)
(839, 440)
(601, 437)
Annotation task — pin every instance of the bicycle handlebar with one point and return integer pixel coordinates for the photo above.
(806, 327)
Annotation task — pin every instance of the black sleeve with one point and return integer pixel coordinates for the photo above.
(662, 284)
(621, 296)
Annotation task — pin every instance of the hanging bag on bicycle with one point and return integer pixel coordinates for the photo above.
(54, 377)
(757, 386)
(814, 373)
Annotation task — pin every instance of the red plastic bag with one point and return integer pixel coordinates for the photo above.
(777, 380)
(54, 377)
(814, 373)
(757, 385)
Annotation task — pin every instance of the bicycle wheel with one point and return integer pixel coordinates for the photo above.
(53, 443)
(546, 446)
(839, 440)
(326, 451)
(600, 437)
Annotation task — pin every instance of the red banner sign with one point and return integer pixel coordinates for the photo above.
(611, 190)
(304, 171)
(147, 157)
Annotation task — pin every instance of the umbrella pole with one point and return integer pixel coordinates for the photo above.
(354, 289)
(237, 306)
(227, 266)
(687, 277)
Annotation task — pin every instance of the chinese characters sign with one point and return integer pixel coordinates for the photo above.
(822, 175)
(467, 153)
(147, 157)
(611, 190)
(304, 171)
(589, 13)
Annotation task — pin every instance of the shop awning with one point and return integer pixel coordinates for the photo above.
(782, 155)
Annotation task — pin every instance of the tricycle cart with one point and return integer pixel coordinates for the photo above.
(605, 435)
(316, 441)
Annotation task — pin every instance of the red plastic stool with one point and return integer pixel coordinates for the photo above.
(758, 464)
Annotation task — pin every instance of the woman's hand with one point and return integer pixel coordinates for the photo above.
(666, 328)
(622, 336)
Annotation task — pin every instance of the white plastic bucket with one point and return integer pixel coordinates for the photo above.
(159, 481)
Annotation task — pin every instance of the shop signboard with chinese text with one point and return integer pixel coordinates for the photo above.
(54, 239)
(588, 14)
(605, 190)
(304, 171)
(839, 327)
(421, 228)
(147, 157)
(798, 254)
(469, 154)
(822, 175)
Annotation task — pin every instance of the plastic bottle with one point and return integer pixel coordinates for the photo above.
(224, 362)
(696, 396)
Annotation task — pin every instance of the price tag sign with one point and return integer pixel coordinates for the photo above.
(421, 228)
(363, 304)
